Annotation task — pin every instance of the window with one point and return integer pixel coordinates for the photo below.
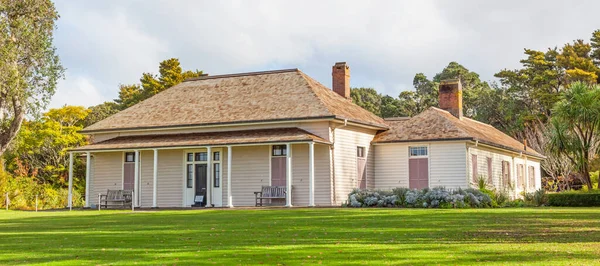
(417, 151)
(130, 157)
(360, 152)
(216, 156)
(190, 157)
(531, 177)
(520, 178)
(190, 175)
(279, 150)
(506, 174)
(201, 156)
(217, 174)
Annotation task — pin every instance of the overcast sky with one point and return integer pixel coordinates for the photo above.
(105, 43)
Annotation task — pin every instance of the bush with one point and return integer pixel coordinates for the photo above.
(575, 199)
(425, 198)
(22, 191)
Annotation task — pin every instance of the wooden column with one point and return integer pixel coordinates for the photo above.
(208, 177)
(311, 174)
(288, 175)
(70, 180)
(229, 196)
(136, 179)
(88, 173)
(155, 181)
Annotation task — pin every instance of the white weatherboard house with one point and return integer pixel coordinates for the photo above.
(224, 137)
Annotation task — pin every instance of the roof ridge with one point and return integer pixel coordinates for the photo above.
(311, 88)
(457, 126)
(233, 75)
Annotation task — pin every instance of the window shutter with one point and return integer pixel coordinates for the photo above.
(474, 164)
(489, 171)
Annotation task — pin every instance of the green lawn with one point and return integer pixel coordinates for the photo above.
(569, 236)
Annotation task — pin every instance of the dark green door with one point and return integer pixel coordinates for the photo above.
(201, 183)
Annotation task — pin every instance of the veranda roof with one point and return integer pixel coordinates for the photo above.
(262, 136)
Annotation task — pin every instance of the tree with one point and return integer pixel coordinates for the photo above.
(100, 112)
(367, 98)
(41, 146)
(170, 74)
(390, 107)
(576, 127)
(29, 66)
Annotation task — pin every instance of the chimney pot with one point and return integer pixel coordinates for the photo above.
(341, 79)
(450, 97)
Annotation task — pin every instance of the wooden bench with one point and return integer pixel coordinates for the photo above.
(116, 198)
(269, 192)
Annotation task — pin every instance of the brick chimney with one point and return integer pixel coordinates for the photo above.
(450, 97)
(341, 79)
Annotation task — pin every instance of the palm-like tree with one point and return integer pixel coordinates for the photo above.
(575, 130)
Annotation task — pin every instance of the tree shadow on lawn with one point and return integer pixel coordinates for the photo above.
(247, 236)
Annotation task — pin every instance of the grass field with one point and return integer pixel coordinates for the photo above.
(542, 236)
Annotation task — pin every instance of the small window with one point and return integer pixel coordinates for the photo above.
(217, 175)
(190, 175)
(279, 150)
(190, 157)
(130, 157)
(201, 156)
(360, 152)
(216, 156)
(417, 151)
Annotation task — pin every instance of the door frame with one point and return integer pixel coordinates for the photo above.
(210, 176)
(428, 156)
(123, 154)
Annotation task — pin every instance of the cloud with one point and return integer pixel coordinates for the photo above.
(76, 90)
(385, 42)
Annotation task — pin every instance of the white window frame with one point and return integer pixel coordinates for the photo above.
(418, 156)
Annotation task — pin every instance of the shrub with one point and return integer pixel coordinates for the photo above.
(22, 191)
(425, 198)
(574, 199)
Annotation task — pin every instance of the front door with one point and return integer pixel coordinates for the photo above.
(200, 190)
(418, 171)
(129, 171)
(361, 168)
(278, 171)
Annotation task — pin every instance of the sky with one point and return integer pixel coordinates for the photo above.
(106, 43)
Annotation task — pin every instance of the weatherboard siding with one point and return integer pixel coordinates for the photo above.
(250, 171)
(107, 173)
(446, 164)
(391, 166)
(300, 190)
(146, 177)
(170, 178)
(346, 140)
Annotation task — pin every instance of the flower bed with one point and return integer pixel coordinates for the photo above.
(425, 198)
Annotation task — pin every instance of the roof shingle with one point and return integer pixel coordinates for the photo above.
(251, 97)
(436, 124)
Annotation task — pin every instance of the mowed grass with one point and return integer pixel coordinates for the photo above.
(541, 236)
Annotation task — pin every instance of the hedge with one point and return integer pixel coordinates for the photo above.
(574, 199)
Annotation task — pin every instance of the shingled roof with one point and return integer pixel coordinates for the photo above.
(281, 95)
(261, 136)
(435, 124)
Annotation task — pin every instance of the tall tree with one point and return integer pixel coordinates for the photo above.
(576, 127)
(100, 112)
(29, 66)
(367, 98)
(42, 144)
(170, 74)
